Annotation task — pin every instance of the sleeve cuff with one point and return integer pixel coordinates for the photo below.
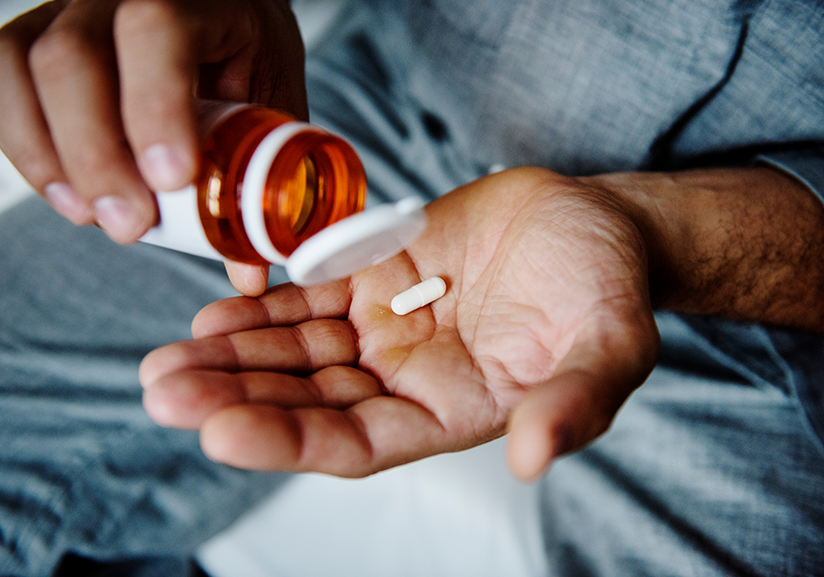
(806, 165)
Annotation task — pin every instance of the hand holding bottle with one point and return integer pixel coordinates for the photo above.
(96, 104)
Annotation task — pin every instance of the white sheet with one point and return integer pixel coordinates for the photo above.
(455, 515)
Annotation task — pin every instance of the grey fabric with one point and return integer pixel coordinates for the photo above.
(711, 467)
(593, 86)
(82, 468)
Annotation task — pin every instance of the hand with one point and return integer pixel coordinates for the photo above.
(545, 329)
(96, 103)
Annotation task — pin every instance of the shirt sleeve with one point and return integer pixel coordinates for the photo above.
(804, 163)
(803, 354)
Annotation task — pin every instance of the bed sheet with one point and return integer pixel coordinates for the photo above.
(451, 515)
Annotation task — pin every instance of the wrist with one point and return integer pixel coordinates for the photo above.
(741, 242)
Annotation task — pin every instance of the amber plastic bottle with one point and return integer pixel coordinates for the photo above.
(266, 183)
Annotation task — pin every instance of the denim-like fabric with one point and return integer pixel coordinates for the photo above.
(710, 469)
(806, 163)
(82, 468)
(714, 466)
(590, 86)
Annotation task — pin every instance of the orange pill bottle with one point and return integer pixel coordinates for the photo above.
(266, 183)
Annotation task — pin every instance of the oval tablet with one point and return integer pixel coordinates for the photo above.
(419, 295)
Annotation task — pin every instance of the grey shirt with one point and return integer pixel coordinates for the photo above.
(588, 86)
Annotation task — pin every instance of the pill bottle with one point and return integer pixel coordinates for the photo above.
(273, 190)
(265, 184)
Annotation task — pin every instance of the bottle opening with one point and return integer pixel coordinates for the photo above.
(314, 181)
(297, 201)
(267, 184)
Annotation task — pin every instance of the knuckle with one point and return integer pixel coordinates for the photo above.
(53, 53)
(97, 170)
(153, 111)
(34, 167)
(139, 17)
(93, 161)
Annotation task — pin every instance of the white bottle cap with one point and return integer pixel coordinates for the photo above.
(357, 242)
(254, 185)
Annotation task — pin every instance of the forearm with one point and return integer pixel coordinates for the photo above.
(743, 243)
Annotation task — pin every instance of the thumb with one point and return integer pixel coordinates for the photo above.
(248, 279)
(580, 400)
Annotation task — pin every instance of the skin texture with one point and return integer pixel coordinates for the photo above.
(547, 324)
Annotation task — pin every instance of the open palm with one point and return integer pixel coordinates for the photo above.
(545, 329)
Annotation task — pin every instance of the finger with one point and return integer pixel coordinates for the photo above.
(24, 134)
(374, 435)
(248, 279)
(303, 349)
(283, 305)
(268, 69)
(159, 47)
(186, 399)
(581, 399)
(75, 77)
(438, 402)
(157, 67)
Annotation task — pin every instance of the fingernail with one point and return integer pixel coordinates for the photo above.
(165, 168)
(66, 202)
(117, 217)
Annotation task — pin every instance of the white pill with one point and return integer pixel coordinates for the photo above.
(419, 295)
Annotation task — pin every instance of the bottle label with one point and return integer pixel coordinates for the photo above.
(180, 228)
